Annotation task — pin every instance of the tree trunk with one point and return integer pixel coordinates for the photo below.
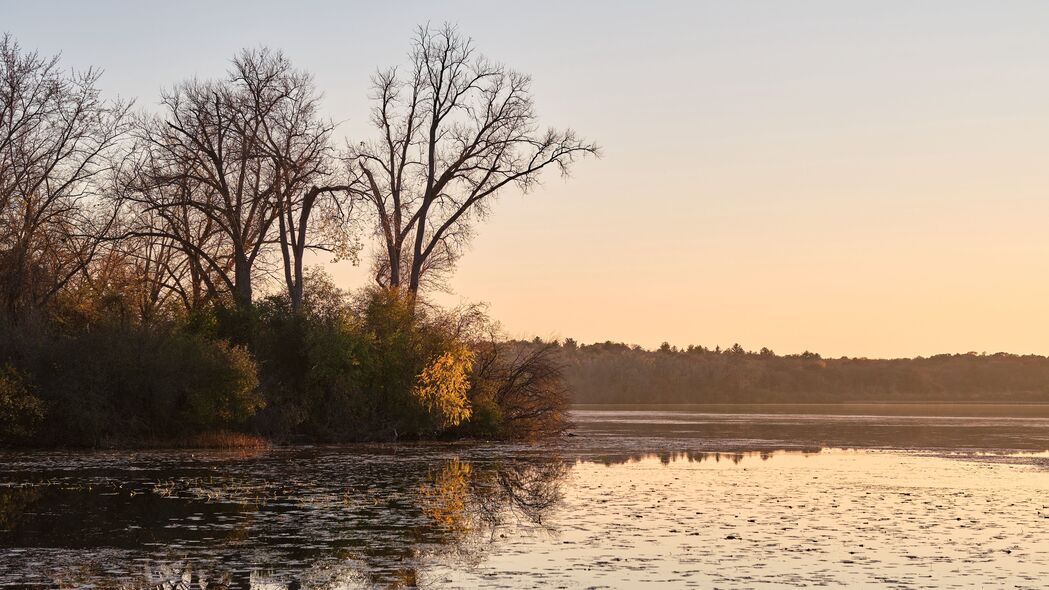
(242, 280)
(395, 269)
(297, 287)
(417, 258)
(296, 296)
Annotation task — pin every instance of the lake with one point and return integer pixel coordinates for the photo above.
(906, 496)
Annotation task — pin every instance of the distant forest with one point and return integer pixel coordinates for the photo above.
(618, 373)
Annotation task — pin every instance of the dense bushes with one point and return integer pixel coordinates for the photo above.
(112, 382)
(20, 411)
(382, 367)
(377, 367)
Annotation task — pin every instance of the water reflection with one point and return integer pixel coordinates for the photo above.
(639, 486)
(322, 518)
(284, 519)
(807, 426)
(668, 457)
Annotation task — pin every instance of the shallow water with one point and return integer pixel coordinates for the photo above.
(688, 497)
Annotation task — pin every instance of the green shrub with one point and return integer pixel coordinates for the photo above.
(112, 383)
(310, 368)
(221, 389)
(379, 367)
(21, 412)
(419, 365)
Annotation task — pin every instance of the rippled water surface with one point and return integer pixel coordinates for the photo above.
(777, 496)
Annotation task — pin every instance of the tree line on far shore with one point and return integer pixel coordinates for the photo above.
(153, 276)
(617, 373)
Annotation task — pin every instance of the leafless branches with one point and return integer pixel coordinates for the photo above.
(238, 174)
(236, 165)
(56, 133)
(527, 383)
(454, 129)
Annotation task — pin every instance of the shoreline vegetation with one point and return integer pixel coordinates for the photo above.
(369, 368)
(153, 280)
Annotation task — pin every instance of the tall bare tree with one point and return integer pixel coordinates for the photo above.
(205, 157)
(57, 134)
(237, 165)
(454, 130)
(314, 207)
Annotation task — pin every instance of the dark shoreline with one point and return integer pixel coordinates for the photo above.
(245, 442)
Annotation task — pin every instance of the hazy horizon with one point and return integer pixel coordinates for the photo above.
(861, 180)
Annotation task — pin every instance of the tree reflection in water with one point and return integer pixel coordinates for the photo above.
(320, 520)
(403, 515)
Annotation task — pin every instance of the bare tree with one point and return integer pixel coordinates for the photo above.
(528, 384)
(234, 161)
(170, 274)
(128, 279)
(160, 209)
(454, 129)
(205, 157)
(57, 134)
(314, 207)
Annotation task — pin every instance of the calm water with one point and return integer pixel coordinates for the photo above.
(777, 496)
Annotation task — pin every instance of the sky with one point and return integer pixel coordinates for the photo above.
(853, 178)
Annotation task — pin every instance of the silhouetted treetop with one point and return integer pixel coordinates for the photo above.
(454, 129)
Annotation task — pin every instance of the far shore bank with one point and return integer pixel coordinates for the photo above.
(886, 408)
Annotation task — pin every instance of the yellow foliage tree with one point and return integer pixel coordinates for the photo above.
(443, 384)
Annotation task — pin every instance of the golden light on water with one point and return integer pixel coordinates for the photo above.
(855, 518)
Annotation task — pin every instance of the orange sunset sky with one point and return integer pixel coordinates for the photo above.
(862, 178)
